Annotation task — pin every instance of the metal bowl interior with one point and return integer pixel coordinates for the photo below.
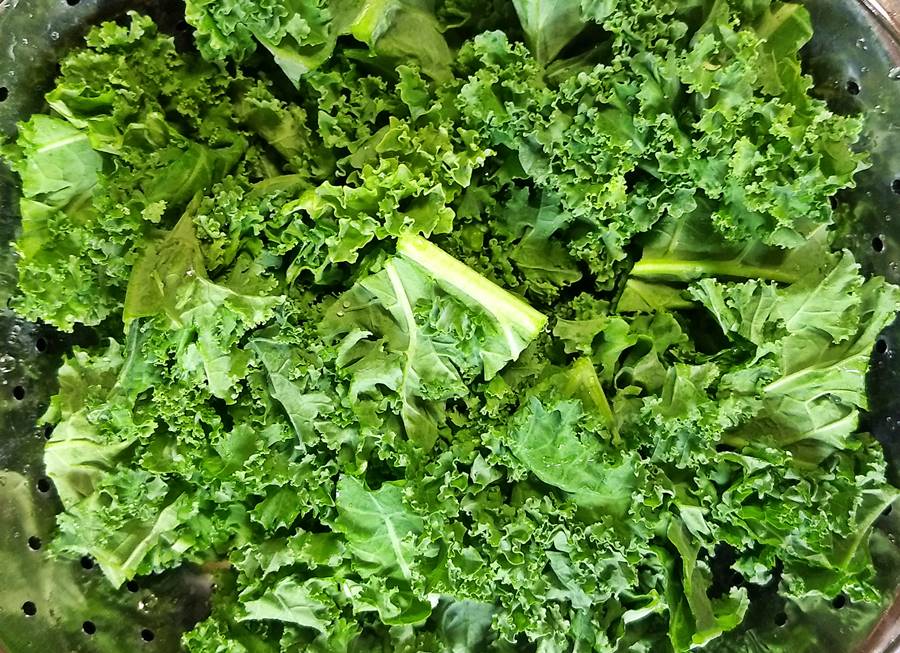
(47, 605)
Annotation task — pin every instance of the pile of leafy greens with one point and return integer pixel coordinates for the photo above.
(457, 325)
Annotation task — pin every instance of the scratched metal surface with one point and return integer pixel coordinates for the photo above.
(855, 62)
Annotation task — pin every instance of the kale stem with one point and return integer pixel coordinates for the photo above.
(689, 270)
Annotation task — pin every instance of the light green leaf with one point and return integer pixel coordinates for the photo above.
(549, 25)
(291, 601)
(378, 526)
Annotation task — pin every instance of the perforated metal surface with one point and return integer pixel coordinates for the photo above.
(57, 606)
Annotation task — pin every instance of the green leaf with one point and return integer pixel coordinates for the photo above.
(644, 297)
(813, 341)
(291, 601)
(465, 625)
(301, 34)
(549, 442)
(711, 618)
(422, 328)
(378, 527)
(549, 25)
(784, 31)
(80, 452)
(298, 33)
(56, 162)
(119, 164)
(404, 30)
(302, 407)
(518, 322)
(165, 268)
(827, 304)
(688, 249)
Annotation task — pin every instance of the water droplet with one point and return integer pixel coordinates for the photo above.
(340, 313)
(894, 73)
(345, 304)
(148, 602)
(54, 36)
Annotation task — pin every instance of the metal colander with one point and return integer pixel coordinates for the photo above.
(59, 606)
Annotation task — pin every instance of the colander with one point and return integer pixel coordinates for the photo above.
(53, 606)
